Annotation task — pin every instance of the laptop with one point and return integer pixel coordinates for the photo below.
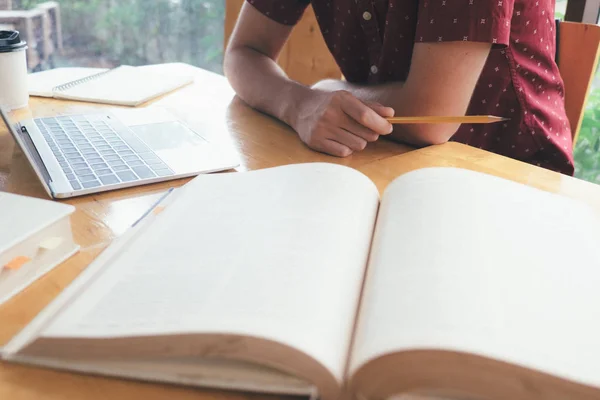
(75, 155)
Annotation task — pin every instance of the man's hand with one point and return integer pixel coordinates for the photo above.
(441, 81)
(339, 124)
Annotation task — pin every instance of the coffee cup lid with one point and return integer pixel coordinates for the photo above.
(11, 41)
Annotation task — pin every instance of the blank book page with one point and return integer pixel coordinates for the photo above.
(277, 253)
(469, 262)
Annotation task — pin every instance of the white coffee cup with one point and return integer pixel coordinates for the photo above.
(13, 71)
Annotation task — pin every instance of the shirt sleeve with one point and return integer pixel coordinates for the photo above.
(286, 12)
(486, 21)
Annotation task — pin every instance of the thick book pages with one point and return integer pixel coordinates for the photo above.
(35, 236)
(480, 287)
(294, 278)
(263, 267)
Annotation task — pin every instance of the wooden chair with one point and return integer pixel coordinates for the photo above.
(54, 28)
(28, 23)
(40, 27)
(578, 51)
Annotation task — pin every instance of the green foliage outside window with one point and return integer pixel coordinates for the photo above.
(136, 32)
(587, 154)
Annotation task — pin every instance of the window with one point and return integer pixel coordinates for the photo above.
(107, 33)
(561, 9)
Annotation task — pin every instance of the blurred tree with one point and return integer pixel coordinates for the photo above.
(139, 32)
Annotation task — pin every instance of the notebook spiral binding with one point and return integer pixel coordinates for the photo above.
(69, 85)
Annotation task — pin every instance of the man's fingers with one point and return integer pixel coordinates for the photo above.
(333, 148)
(347, 125)
(365, 115)
(382, 110)
(346, 138)
(354, 127)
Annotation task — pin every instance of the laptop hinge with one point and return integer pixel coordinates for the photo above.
(35, 155)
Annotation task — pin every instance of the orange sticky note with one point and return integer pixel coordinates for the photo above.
(158, 210)
(17, 262)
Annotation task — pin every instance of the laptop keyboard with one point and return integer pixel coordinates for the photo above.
(93, 153)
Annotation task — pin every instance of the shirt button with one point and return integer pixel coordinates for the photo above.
(374, 69)
(366, 16)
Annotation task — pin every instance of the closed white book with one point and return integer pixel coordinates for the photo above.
(35, 236)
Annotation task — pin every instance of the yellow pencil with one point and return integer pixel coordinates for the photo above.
(466, 119)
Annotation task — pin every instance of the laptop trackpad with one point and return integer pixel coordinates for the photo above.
(168, 135)
(177, 145)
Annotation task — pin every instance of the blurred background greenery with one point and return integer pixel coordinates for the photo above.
(106, 33)
(586, 152)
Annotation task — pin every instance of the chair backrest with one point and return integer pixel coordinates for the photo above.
(578, 50)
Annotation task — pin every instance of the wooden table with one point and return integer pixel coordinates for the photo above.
(210, 107)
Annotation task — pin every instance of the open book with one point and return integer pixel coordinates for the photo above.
(299, 280)
(124, 85)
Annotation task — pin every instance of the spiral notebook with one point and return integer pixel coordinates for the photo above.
(124, 85)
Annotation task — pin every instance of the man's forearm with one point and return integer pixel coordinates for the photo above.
(387, 94)
(261, 83)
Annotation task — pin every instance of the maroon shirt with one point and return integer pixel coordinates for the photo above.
(372, 42)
